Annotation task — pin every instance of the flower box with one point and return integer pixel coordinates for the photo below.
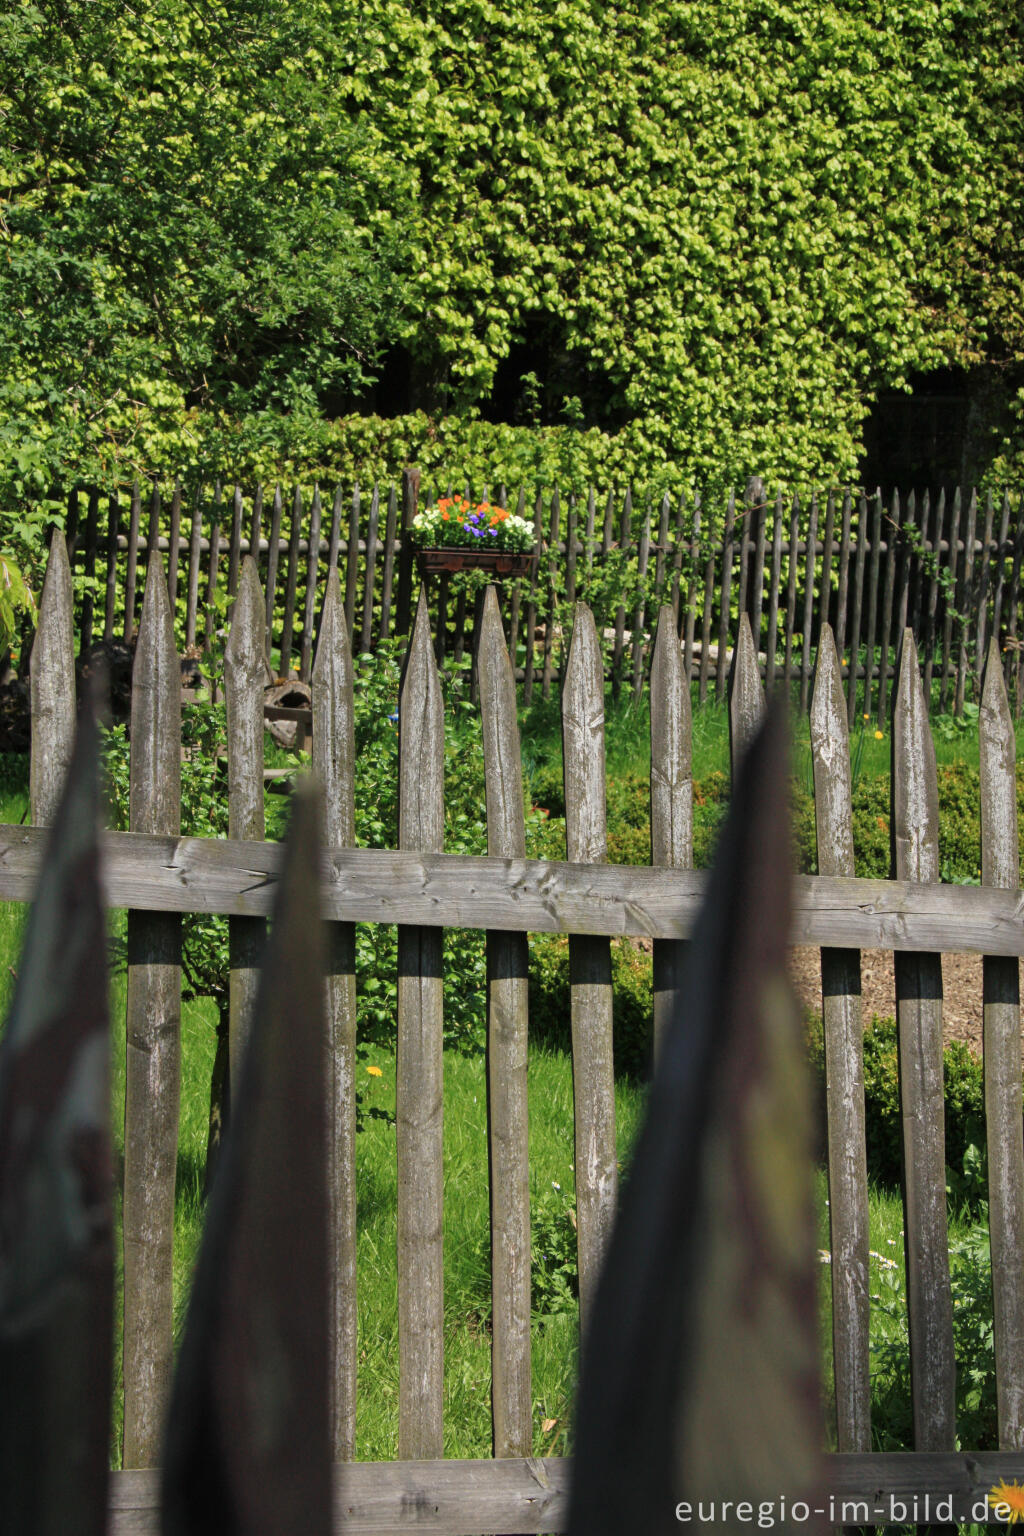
(500, 562)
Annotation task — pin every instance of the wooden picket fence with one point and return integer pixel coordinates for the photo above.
(157, 875)
(947, 567)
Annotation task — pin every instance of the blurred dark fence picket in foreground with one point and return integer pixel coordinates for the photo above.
(697, 1288)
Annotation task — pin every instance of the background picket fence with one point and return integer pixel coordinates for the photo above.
(157, 875)
(949, 567)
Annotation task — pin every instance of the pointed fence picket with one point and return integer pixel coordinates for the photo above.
(158, 875)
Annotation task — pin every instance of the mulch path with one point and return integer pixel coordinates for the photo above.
(961, 990)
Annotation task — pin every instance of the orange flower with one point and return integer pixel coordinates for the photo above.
(445, 517)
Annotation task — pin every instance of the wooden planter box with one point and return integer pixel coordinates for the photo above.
(501, 562)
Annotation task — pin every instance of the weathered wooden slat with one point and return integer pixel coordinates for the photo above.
(888, 590)
(571, 542)
(693, 554)
(966, 596)
(660, 564)
(828, 551)
(255, 525)
(273, 564)
(759, 514)
(809, 576)
(1000, 867)
(89, 571)
(420, 1067)
(334, 538)
(366, 633)
(919, 557)
(844, 1067)
(705, 627)
(192, 600)
(247, 1446)
(699, 1364)
(984, 580)
(746, 695)
(625, 545)
(131, 565)
(153, 526)
(919, 1022)
(244, 678)
(550, 598)
(235, 544)
(389, 564)
(56, 1188)
(953, 595)
(842, 597)
(671, 801)
(291, 586)
(334, 767)
(590, 965)
(743, 596)
(110, 595)
(907, 556)
(725, 610)
(210, 620)
(772, 635)
(791, 573)
(525, 1497)
(531, 604)
(640, 611)
(352, 562)
(507, 970)
(312, 571)
(855, 620)
(409, 508)
(871, 637)
(174, 545)
(52, 686)
(153, 1028)
(1000, 555)
(195, 874)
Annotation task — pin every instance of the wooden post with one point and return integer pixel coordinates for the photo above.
(809, 575)
(1000, 866)
(273, 564)
(640, 612)
(387, 578)
(844, 1066)
(746, 695)
(507, 968)
(705, 627)
(235, 544)
(291, 586)
(855, 621)
(410, 503)
(872, 631)
(334, 767)
(173, 542)
(366, 633)
(625, 543)
(723, 616)
(919, 1020)
(550, 597)
(52, 687)
(590, 965)
(771, 639)
(888, 589)
(312, 572)
(131, 568)
(192, 600)
(966, 605)
(420, 1070)
(671, 801)
(691, 594)
(89, 570)
(247, 1441)
(210, 622)
(244, 678)
(153, 1062)
(531, 603)
(842, 600)
(352, 564)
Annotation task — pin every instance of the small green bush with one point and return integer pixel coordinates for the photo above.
(632, 1007)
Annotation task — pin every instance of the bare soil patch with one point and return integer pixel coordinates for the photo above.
(961, 990)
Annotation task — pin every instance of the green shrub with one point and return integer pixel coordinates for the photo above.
(632, 1007)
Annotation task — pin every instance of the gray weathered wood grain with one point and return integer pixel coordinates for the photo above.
(811, 554)
(213, 559)
(1000, 867)
(892, 537)
(671, 799)
(196, 874)
(746, 695)
(244, 676)
(273, 563)
(844, 1066)
(507, 967)
(153, 1028)
(855, 620)
(590, 968)
(334, 767)
(312, 572)
(919, 1021)
(131, 564)
(291, 586)
(52, 687)
(420, 1067)
(192, 592)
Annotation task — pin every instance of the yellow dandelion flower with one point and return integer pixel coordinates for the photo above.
(374, 1072)
(879, 735)
(1007, 1500)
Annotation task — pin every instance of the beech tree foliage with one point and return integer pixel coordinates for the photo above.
(692, 238)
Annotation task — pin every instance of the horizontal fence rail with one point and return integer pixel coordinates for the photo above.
(948, 566)
(424, 890)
